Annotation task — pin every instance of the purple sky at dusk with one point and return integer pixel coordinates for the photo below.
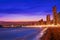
(26, 10)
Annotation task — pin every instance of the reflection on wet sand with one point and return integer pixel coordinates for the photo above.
(52, 34)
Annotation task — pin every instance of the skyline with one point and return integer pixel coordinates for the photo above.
(26, 10)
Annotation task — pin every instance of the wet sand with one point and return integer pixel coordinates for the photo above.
(53, 33)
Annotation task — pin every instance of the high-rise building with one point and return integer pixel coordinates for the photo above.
(59, 18)
(55, 19)
(48, 19)
(41, 21)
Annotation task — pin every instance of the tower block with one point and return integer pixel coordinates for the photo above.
(48, 19)
(55, 16)
(41, 22)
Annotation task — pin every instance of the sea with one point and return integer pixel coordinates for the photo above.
(23, 33)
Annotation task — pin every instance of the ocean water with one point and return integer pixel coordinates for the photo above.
(19, 33)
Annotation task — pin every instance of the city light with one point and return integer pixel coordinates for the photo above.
(55, 22)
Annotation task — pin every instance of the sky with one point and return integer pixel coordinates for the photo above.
(26, 10)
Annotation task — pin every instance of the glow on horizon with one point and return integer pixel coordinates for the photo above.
(21, 17)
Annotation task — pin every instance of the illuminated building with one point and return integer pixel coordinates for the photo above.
(55, 19)
(59, 17)
(41, 21)
(48, 19)
(12, 25)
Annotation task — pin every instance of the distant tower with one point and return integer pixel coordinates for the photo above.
(41, 22)
(59, 18)
(55, 19)
(48, 19)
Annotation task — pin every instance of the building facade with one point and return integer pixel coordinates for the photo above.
(55, 16)
(48, 19)
(59, 18)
